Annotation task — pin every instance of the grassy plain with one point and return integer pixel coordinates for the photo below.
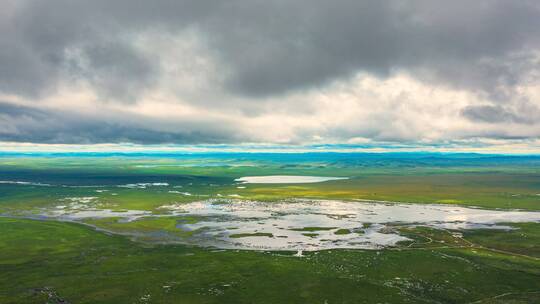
(47, 262)
(43, 261)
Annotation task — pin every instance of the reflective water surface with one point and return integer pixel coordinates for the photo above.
(300, 224)
(325, 224)
(286, 179)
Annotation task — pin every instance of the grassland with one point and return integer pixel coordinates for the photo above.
(485, 181)
(103, 260)
(52, 261)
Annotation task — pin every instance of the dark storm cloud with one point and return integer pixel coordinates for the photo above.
(491, 114)
(115, 70)
(27, 124)
(499, 114)
(248, 51)
(271, 47)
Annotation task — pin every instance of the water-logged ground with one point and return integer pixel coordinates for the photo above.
(301, 224)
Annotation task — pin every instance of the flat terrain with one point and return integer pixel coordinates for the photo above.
(95, 228)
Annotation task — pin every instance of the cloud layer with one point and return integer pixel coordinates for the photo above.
(164, 71)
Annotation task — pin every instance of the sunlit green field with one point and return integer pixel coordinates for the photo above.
(107, 260)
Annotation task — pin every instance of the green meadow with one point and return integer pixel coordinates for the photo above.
(99, 259)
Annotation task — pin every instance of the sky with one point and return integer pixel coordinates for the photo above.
(416, 73)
